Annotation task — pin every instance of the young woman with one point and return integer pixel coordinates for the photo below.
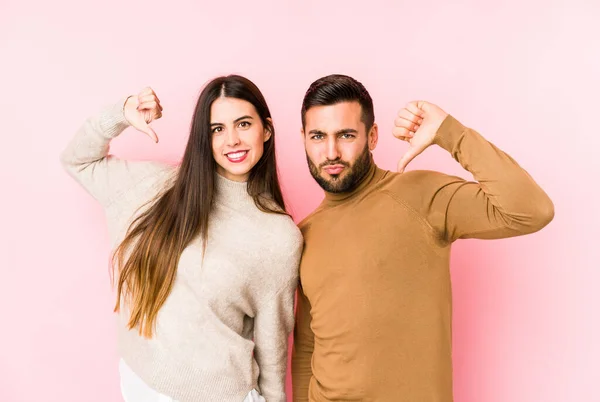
(205, 257)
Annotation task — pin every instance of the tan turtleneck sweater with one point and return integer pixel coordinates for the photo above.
(374, 307)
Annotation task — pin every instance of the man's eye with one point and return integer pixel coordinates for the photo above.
(347, 136)
(317, 137)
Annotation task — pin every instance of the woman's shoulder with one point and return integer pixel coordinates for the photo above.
(282, 244)
(282, 229)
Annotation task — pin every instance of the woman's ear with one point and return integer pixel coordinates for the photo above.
(268, 133)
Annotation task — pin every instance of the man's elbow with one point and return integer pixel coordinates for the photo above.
(542, 213)
(546, 214)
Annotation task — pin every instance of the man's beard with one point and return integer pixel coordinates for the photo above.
(354, 175)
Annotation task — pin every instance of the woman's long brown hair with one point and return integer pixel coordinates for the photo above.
(148, 256)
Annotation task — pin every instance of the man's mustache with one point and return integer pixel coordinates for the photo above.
(335, 162)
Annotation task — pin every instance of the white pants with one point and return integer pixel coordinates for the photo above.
(134, 389)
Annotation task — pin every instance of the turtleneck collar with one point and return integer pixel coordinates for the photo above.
(231, 192)
(373, 176)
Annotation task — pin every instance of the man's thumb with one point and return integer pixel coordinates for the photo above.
(410, 154)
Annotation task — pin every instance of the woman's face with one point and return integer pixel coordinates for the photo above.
(238, 137)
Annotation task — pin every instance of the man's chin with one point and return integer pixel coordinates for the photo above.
(331, 184)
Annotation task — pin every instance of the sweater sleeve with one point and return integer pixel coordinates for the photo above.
(273, 325)
(86, 157)
(503, 202)
(304, 343)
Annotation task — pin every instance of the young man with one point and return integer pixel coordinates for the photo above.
(374, 305)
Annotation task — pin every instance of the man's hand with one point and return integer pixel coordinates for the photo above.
(417, 124)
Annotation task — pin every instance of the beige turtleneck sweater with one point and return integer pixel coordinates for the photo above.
(224, 328)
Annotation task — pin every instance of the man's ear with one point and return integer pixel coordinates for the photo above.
(373, 137)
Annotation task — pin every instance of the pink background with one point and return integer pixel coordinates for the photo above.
(523, 73)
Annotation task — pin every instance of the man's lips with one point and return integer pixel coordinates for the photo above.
(334, 169)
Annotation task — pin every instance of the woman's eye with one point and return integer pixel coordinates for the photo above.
(245, 124)
(217, 129)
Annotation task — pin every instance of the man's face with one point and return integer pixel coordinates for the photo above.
(338, 146)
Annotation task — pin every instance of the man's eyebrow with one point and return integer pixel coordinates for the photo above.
(347, 131)
(342, 131)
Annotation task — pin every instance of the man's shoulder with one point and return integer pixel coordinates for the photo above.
(304, 223)
(416, 188)
(412, 181)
